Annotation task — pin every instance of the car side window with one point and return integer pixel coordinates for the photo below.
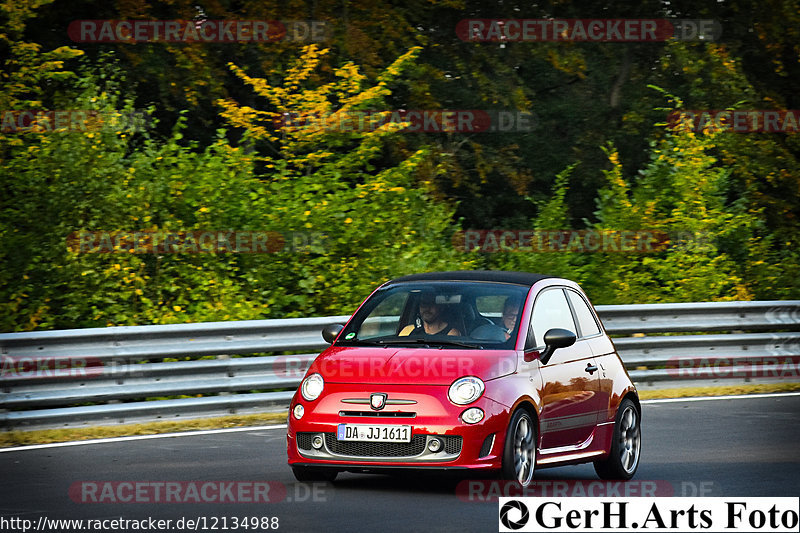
(584, 315)
(385, 318)
(550, 311)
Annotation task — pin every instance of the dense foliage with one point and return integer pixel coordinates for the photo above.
(213, 151)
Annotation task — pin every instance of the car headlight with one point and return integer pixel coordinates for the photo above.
(312, 387)
(473, 415)
(465, 390)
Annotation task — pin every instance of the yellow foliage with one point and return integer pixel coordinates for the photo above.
(301, 117)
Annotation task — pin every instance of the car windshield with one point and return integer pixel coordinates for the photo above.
(442, 314)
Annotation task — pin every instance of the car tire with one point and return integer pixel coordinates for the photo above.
(309, 473)
(519, 453)
(626, 445)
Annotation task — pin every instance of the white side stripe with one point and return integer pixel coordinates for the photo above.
(730, 397)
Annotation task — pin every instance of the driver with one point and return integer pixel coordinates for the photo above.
(431, 320)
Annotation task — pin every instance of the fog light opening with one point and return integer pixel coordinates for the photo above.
(299, 411)
(434, 445)
(316, 442)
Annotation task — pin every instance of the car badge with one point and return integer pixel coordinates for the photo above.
(377, 400)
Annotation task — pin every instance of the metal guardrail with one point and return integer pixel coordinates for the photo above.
(123, 366)
(700, 316)
(134, 343)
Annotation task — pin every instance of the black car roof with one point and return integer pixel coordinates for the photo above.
(501, 276)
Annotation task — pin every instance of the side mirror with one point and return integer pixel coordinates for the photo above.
(556, 338)
(331, 331)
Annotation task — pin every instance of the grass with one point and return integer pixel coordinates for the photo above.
(45, 436)
(728, 390)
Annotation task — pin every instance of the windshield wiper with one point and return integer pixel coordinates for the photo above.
(428, 341)
(456, 343)
(403, 341)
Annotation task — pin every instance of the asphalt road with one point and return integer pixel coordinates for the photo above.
(741, 447)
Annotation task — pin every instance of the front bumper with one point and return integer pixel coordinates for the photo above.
(431, 416)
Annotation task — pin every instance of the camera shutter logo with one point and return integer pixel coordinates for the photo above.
(523, 511)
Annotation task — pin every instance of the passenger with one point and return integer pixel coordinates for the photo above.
(510, 314)
(431, 319)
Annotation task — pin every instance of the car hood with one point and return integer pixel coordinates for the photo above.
(412, 366)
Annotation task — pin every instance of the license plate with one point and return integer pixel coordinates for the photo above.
(373, 433)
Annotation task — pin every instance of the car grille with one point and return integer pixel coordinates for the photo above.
(452, 445)
(304, 440)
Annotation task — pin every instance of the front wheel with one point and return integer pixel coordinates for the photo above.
(309, 473)
(519, 454)
(623, 460)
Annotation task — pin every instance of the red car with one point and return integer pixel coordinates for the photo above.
(490, 370)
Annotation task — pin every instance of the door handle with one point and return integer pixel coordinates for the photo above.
(590, 368)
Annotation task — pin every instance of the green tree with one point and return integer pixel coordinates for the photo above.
(323, 172)
(679, 195)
